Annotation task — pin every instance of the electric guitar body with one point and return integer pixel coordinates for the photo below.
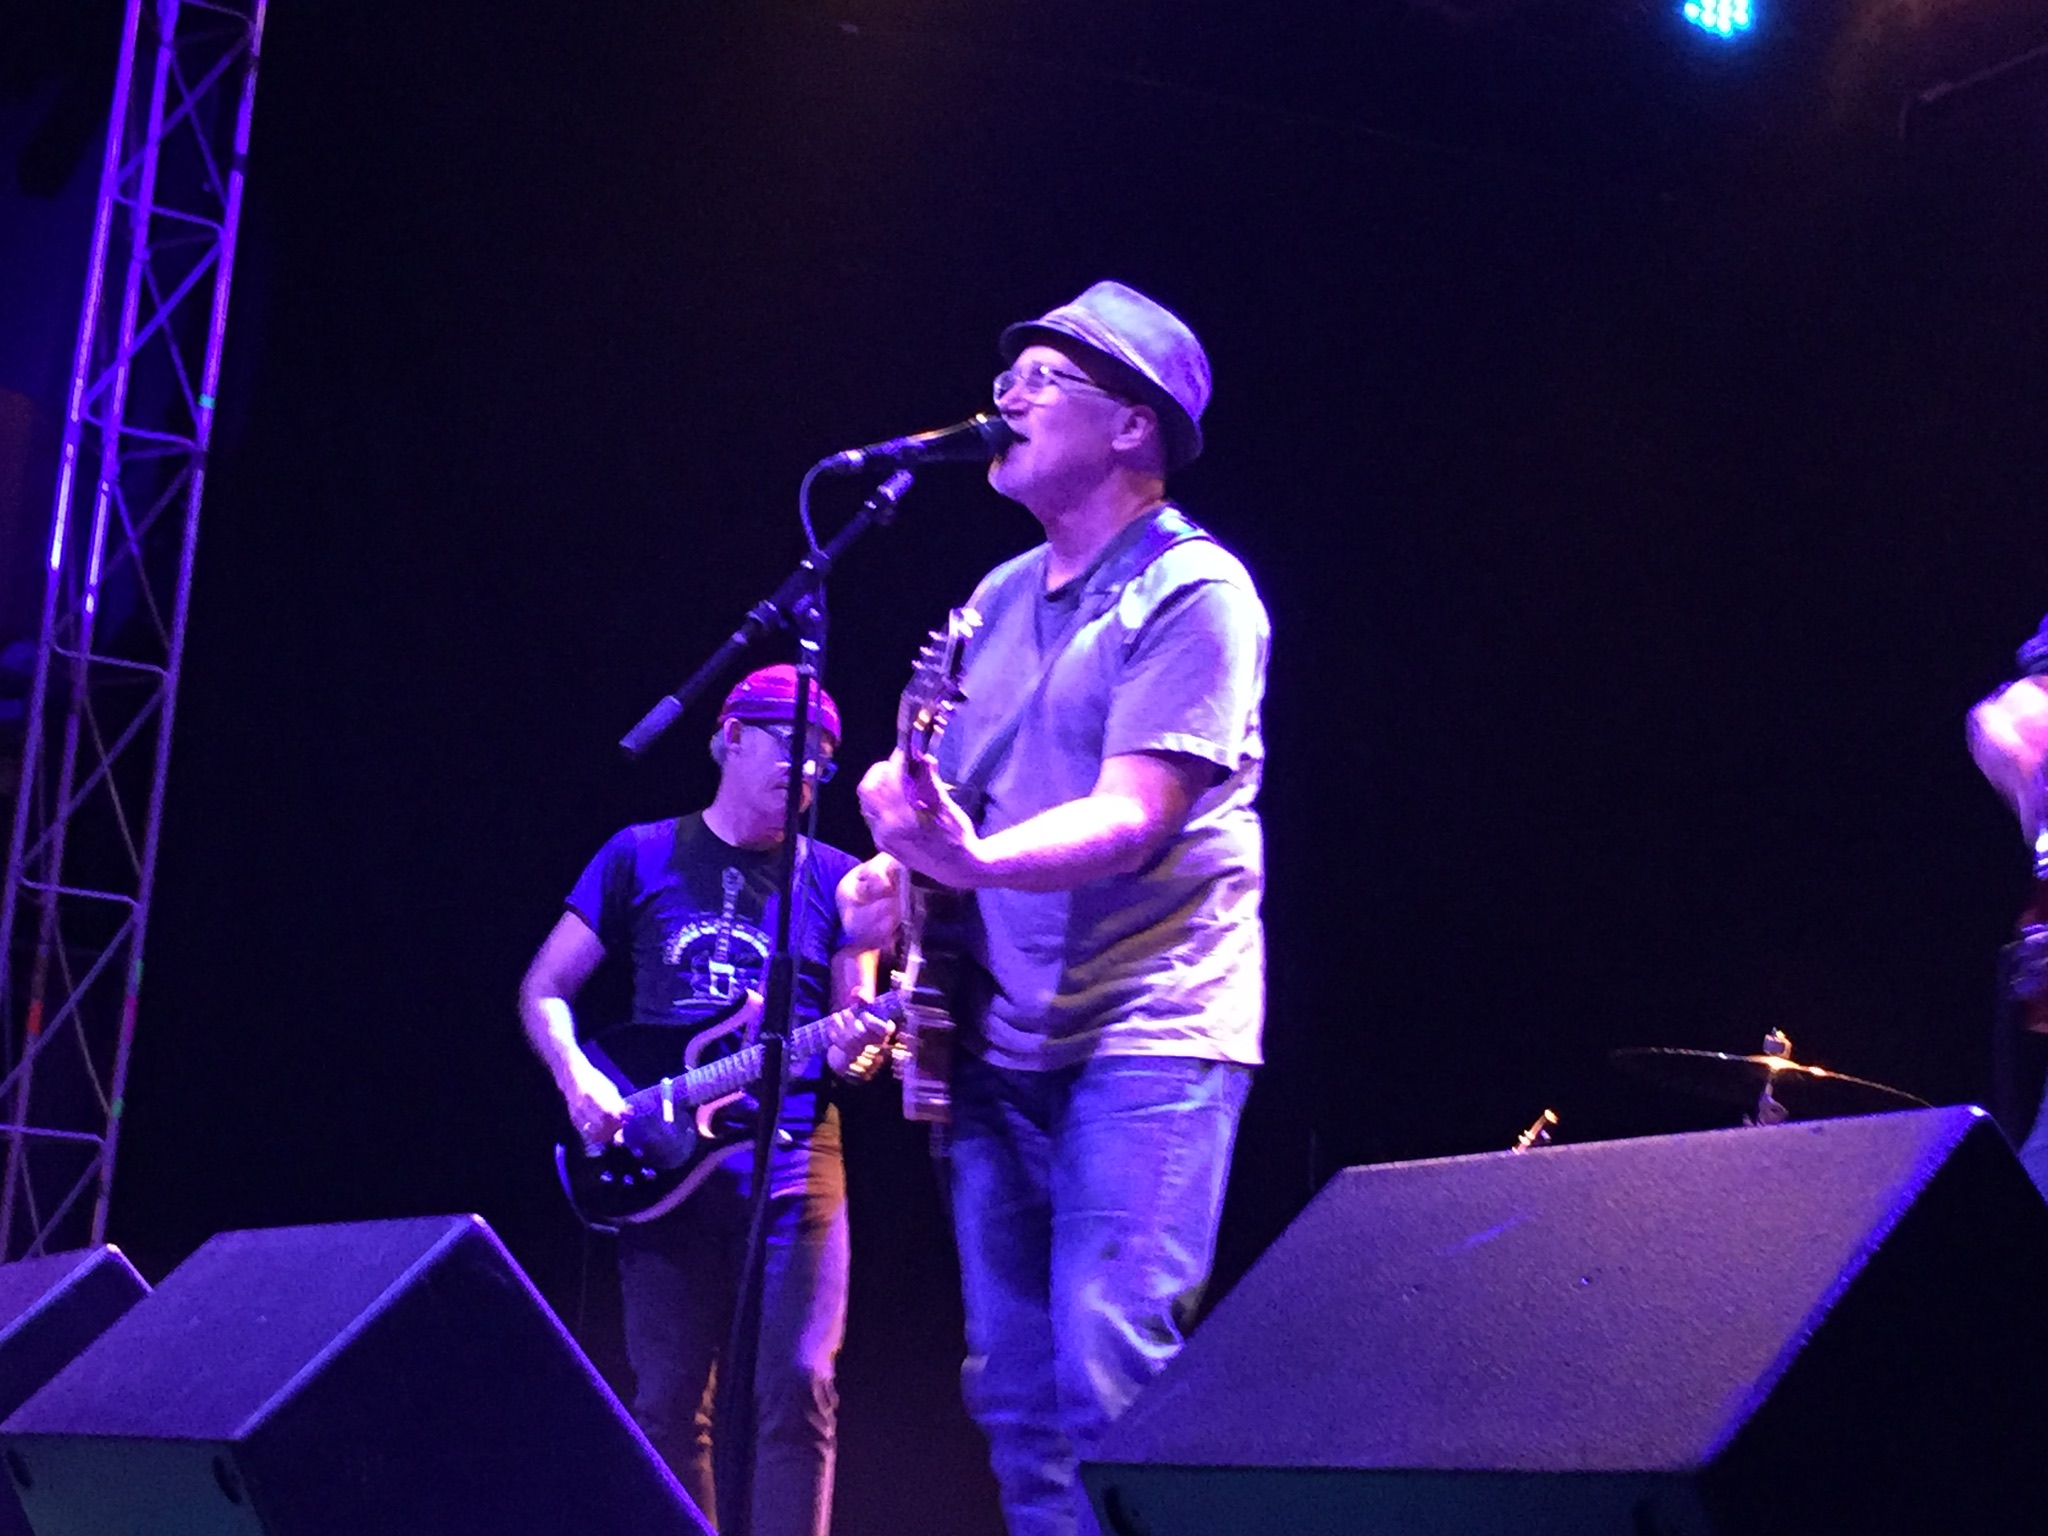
(678, 1130)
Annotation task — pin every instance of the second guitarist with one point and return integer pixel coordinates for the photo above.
(689, 905)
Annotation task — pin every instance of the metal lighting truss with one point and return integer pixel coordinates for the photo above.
(82, 855)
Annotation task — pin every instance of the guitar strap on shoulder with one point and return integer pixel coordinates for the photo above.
(1166, 528)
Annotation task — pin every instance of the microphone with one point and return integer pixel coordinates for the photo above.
(975, 441)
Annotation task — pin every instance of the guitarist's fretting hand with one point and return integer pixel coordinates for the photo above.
(870, 1045)
(869, 898)
(861, 1061)
(861, 1057)
(912, 814)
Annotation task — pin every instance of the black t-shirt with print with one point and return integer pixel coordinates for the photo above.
(695, 917)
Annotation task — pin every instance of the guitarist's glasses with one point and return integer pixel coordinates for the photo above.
(821, 766)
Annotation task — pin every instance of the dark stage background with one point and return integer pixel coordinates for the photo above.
(1638, 442)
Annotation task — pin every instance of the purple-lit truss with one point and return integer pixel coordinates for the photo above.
(82, 854)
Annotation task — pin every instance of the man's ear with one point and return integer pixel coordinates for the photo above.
(724, 740)
(1140, 438)
(1139, 422)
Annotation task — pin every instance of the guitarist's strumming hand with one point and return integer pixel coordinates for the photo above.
(596, 1107)
(566, 958)
(598, 1110)
(912, 814)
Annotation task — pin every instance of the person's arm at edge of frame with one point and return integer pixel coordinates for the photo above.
(2008, 736)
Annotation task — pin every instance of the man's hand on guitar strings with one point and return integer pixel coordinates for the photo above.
(913, 815)
(596, 1107)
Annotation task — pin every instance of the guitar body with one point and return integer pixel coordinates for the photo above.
(622, 1185)
(927, 980)
(936, 970)
(664, 1152)
(676, 1131)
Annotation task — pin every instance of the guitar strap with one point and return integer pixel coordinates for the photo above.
(1101, 587)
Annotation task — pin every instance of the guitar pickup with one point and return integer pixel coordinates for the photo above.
(668, 1101)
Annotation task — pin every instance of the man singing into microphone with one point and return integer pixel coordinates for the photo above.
(1094, 794)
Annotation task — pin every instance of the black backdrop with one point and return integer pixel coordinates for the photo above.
(1638, 446)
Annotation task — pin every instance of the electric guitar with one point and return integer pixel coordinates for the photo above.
(675, 1132)
(931, 967)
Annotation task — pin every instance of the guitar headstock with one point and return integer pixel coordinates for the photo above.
(934, 692)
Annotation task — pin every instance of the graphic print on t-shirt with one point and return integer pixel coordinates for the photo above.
(721, 958)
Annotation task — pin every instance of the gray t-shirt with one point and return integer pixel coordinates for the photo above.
(1160, 647)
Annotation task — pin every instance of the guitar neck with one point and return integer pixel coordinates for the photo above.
(729, 1074)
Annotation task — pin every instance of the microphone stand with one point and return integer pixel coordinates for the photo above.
(799, 604)
(735, 1428)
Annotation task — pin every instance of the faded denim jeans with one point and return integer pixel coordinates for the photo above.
(1086, 1203)
(678, 1278)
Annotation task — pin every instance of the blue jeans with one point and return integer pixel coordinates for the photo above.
(1085, 1202)
(678, 1281)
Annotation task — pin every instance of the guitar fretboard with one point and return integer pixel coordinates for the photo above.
(729, 1074)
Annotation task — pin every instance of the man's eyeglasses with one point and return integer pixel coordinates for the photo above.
(821, 765)
(1040, 380)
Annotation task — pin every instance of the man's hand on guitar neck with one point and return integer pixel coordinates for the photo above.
(913, 816)
(859, 1059)
(870, 913)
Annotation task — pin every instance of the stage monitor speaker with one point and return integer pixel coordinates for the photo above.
(50, 1309)
(1825, 1327)
(393, 1376)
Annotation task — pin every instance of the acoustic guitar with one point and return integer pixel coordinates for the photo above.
(933, 915)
